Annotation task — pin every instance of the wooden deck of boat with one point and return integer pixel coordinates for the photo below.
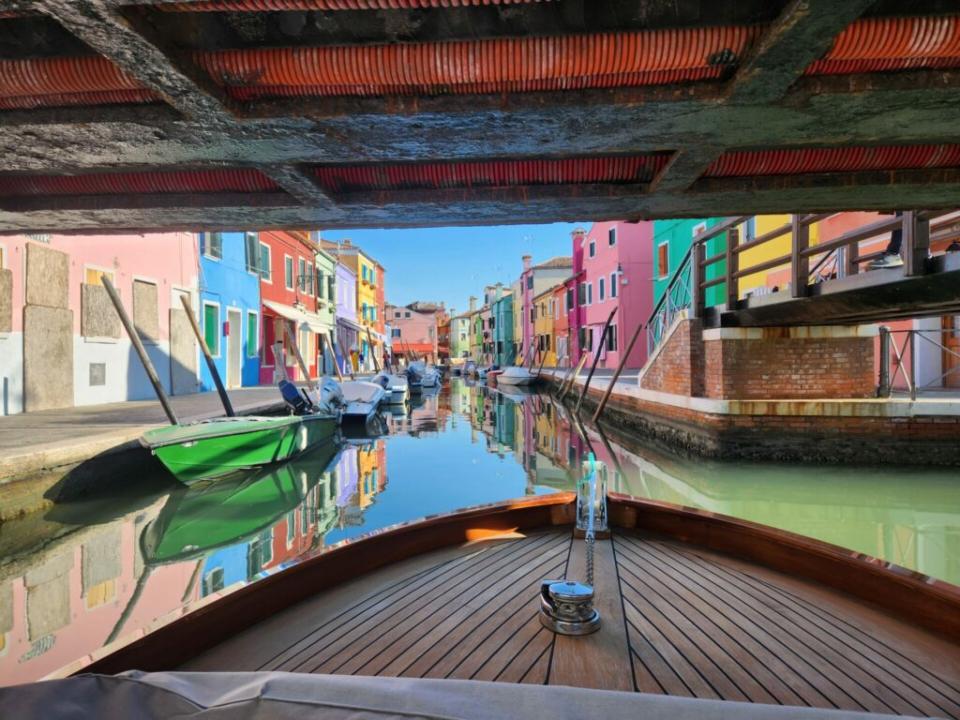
(676, 619)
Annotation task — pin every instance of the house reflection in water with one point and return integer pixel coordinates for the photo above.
(114, 576)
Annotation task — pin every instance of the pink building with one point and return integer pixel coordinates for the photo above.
(617, 273)
(414, 329)
(61, 342)
(534, 280)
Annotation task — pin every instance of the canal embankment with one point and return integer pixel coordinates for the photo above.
(861, 431)
(63, 454)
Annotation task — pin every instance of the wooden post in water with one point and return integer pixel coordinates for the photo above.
(211, 366)
(376, 364)
(138, 346)
(573, 378)
(296, 353)
(333, 352)
(596, 359)
(616, 375)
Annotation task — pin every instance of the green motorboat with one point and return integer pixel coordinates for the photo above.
(214, 448)
(210, 515)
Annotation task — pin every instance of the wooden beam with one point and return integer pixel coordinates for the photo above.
(916, 244)
(799, 262)
(299, 183)
(684, 168)
(732, 257)
(802, 33)
(182, 85)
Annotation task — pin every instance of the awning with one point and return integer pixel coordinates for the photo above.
(300, 317)
(351, 324)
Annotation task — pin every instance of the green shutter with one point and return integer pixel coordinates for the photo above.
(211, 328)
(252, 335)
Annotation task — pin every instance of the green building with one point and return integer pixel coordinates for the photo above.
(460, 336)
(503, 340)
(671, 241)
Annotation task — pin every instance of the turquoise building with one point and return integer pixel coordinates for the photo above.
(503, 341)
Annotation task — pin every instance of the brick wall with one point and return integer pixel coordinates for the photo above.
(775, 367)
(678, 367)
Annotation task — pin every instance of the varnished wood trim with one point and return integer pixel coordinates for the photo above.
(915, 597)
(175, 643)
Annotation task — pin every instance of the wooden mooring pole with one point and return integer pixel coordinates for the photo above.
(296, 353)
(211, 366)
(141, 352)
(376, 364)
(573, 378)
(616, 375)
(596, 359)
(333, 353)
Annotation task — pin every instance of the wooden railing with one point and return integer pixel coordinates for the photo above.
(837, 257)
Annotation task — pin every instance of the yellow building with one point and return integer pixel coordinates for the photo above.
(544, 311)
(369, 470)
(780, 247)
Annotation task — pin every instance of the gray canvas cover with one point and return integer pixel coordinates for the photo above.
(289, 696)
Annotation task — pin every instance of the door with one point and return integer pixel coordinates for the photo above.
(951, 353)
(234, 348)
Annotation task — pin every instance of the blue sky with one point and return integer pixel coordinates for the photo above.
(450, 264)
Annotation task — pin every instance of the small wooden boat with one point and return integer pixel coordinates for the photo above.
(692, 605)
(518, 375)
(218, 447)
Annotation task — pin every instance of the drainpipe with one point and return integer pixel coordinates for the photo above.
(883, 389)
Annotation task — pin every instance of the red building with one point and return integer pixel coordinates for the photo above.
(288, 297)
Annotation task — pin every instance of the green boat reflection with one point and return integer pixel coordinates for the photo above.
(216, 514)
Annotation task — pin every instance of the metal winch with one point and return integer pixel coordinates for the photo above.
(566, 606)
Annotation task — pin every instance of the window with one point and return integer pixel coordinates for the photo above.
(407, 314)
(251, 247)
(601, 289)
(265, 262)
(94, 276)
(614, 277)
(582, 293)
(529, 282)
(493, 323)
(396, 314)
(586, 339)
(213, 581)
(612, 338)
(319, 281)
(211, 327)
(589, 293)
(288, 272)
(663, 259)
(533, 314)
(363, 311)
(395, 332)
(252, 334)
(612, 236)
(593, 248)
(330, 289)
(302, 274)
(212, 245)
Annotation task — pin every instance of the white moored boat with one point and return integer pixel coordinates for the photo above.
(396, 386)
(516, 375)
(362, 399)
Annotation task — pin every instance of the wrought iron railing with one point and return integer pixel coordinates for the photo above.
(676, 298)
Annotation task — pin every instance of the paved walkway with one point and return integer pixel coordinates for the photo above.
(32, 442)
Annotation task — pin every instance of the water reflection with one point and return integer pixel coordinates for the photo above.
(85, 574)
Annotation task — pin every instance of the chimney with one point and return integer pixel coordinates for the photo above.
(473, 303)
(526, 261)
(345, 243)
(577, 235)
(499, 291)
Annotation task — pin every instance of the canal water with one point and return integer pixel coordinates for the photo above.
(83, 575)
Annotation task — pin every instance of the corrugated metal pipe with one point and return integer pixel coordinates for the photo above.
(844, 159)
(893, 43)
(493, 173)
(188, 181)
(280, 5)
(508, 64)
(90, 80)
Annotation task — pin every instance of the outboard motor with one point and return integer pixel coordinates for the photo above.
(295, 398)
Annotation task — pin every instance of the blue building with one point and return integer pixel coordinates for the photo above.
(230, 307)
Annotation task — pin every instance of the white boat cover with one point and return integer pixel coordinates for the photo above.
(295, 696)
(361, 391)
(517, 376)
(300, 317)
